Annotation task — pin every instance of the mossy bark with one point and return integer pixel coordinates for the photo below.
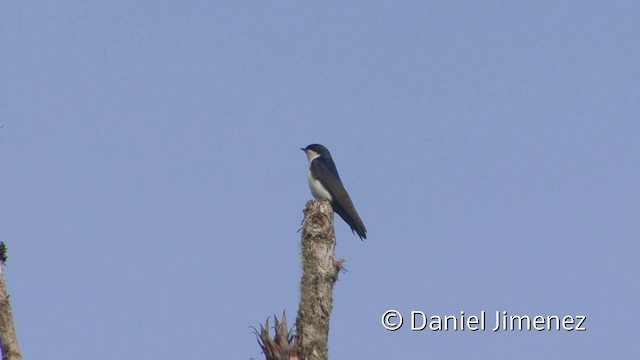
(10, 349)
(319, 274)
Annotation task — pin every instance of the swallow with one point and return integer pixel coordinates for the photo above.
(325, 184)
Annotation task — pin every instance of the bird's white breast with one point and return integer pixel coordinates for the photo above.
(317, 190)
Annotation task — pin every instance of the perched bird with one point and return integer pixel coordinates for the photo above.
(325, 183)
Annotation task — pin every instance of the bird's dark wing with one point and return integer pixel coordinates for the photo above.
(327, 174)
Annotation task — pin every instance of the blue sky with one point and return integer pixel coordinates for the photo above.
(153, 186)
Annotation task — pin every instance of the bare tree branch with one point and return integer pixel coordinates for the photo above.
(319, 273)
(10, 349)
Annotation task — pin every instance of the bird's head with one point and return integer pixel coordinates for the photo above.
(316, 150)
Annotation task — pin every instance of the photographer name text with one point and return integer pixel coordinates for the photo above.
(393, 320)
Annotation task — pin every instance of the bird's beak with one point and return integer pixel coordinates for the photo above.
(303, 149)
